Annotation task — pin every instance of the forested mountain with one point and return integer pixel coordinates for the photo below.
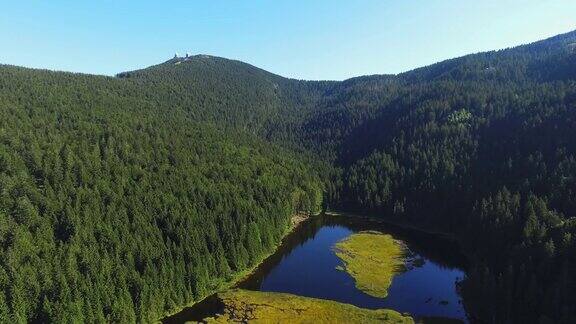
(481, 146)
(232, 94)
(114, 208)
(123, 198)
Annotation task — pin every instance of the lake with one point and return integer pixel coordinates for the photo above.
(305, 264)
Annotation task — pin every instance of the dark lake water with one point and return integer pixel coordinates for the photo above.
(305, 265)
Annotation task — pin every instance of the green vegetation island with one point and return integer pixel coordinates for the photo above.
(123, 199)
(372, 259)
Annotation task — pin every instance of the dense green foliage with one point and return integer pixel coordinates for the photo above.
(113, 209)
(124, 198)
(232, 94)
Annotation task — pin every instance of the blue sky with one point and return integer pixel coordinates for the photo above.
(304, 39)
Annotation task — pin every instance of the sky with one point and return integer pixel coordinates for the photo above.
(303, 39)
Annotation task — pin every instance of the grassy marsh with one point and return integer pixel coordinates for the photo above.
(268, 307)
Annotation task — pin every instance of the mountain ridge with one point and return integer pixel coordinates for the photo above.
(543, 44)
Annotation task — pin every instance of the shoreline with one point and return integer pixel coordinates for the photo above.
(402, 225)
(295, 221)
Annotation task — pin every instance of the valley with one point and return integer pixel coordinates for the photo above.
(126, 198)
